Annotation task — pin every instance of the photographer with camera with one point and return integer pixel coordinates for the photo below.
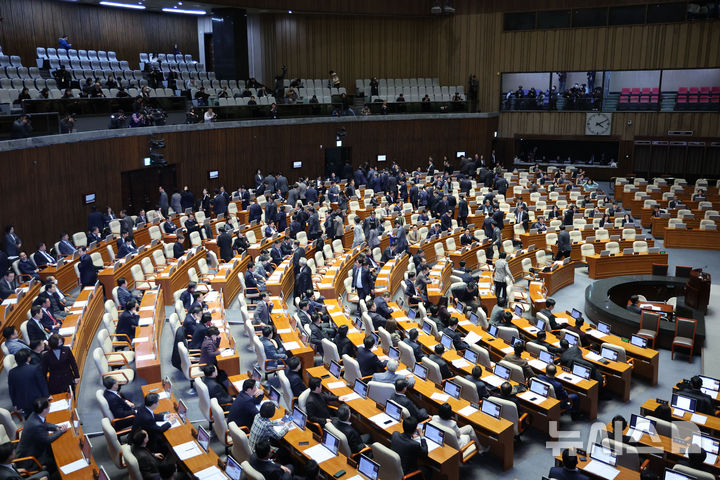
(67, 124)
(21, 128)
(279, 80)
(191, 116)
(209, 116)
(118, 120)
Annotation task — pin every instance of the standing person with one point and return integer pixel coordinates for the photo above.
(501, 276)
(563, 244)
(163, 202)
(26, 383)
(59, 364)
(473, 87)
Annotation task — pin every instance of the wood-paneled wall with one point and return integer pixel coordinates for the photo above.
(41, 191)
(454, 47)
(28, 24)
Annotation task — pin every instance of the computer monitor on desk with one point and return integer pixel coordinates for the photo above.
(682, 402)
(233, 469)
(491, 408)
(203, 438)
(368, 468)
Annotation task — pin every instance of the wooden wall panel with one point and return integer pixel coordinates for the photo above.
(28, 24)
(43, 195)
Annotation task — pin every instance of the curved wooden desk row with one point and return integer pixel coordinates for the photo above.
(439, 280)
(646, 213)
(621, 264)
(599, 245)
(109, 275)
(692, 238)
(174, 276)
(538, 239)
(289, 333)
(65, 274)
(147, 336)
(226, 279)
(658, 225)
(706, 423)
(391, 275)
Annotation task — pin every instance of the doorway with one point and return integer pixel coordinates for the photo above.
(140, 187)
(208, 38)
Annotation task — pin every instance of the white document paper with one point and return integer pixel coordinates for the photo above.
(493, 380)
(593, 357)
(596, 333)
(10, 301)
(349, 397)
(163, 394)
(678, 413)
(147, 308)
(67, 425)
(404, 371)
(64, 332)
(353, 330)
(228, 352)
(472, 338)
(636, 435)
(467, 410)
(465, 323)
(507, 350)
(59, 405)
(356, 477)
(431, 445)
(284, 330)
(699, 419)
(601, 469)
(79, 304)
(149, 356)
(537, 364)
(460, 363)
(531, 397)
(383, 420)
(440, 397)
(76, 465)
(319, 453)
(188, 450)
(211, 473)
(144, 322)
(140, 339)
(334, 385)
(569, 377)
(336, 314)
(291, 345)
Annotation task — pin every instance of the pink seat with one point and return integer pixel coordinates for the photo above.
(715, 89)
(636, 91)
(625, 91)
(692, 99)
(634, 99)
(644, 99)
(704, 99)
(654, 99)
(705, 90)
(682, 90)
(694, 90)
(681, 99)
(646, 91)
(624, 99)
(656, 91)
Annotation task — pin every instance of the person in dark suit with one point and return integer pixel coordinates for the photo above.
(224, 243)
(563, 243)
(401, 398)
(94, 235)
(26, 383)
(303, 278)
(577, 328)
(570, 353)
(178, 247)
(317, 402)
(146, 419)
(254, 212)
(42, 258)
(343, 343)
(406, 445)
(361, 279)
(381, 301)
(547, 311)
(475, 377)
(377, 319)
(414, 344)
(126, 248)
(7, 284)
(261, 461)
(48, 320)
(124, 295)
(95, 219)
(187, 296)
(437, 358)
(293, 372)
(318, 332)
(516, 359)
(262, 311)
(59, 364)
(198, 335)
(35, 441)
(633, 305)
(88, 271)
(569, 400)
(12, 242)
(568, 470)
(148, 462)
(8, 471)
(27, 268)
(369, 362)
(128, 320)
(542, 340)
(451, 331)
(65, 247)
(245, 406)
(35, 328)
(120, 407)
(694, 390)
(215, 388)
(342, 422)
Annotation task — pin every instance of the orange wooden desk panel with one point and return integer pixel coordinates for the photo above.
(625, 473)
(391, 275)
(109, 275)
(288, 332)
(469, 256)
(439, 280)
(429, 246)
(561, 277)
(640, 264)
(66, 448)
(226, 279)
(694, 238)
(147, 356)
(170, 282)
(711, 423)
(281, 282)
(85, 323)
(16, 313)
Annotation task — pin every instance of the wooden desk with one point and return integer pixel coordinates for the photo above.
(82, 322)
(659, 225)
(174, 277)
(429, 246)
(288, 332)
(620, 264)
(439, 280)
(625, 473)
(561, 277)
(66, 448)
(332, 284)
(152, 319)
(692, 238)
(469, 255)
(599, 246)
(391, 275)
(65, 274)
(706, 423)
(226, 279)
(281, 282)
(14, 309)
(109, 275)
(514, 261)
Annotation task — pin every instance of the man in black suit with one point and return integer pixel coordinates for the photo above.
(95, 219)
(542, 340)
(547, 311)
(178, 247)
(126, 248)
(369, 362)
(356, 441)
(198, 334)
(146, 419)
(633, 305)
(224, 243)
(148, 462)
(8, 471)
(94, 235)
(215, 389)
(128, 320)
(451, 331)
(563, 244)
(7, 284)
(377, 319)
(694, 390)
(361, 279)
(317, 402)
(437, 358)
(568, 470)
(261, 461)
(401, 399)
(476, 378)
(414, 344)
(318, 331)
(343, 343)
(124, 295)
(303, 312)
(120, 406)
(26, 382)
(293, 372)
(48, 320)
(42, 258)
(245, 406)
(88, 271)
(35, 328)
(411, 450)
(570, 353)
(303, 278)
(35, 441)
(381, 301)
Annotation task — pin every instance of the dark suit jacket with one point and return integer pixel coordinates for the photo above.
(117, 405)
(481, 386)
(126, 324)
(25, 384)
(9, 474)
(35, 441)
(35, 331)
(224, 243)
(244, 409)
(561, 473)
(217, 391)
(178, 250)
(5, 289)
(444, 367)
(62, 371)
(317, 408)
(369, 362)
(344, 346)
(409, 450)
(407, 403)
(296, 382)
(40, 259)
(353, 437)
(88, 271)
(382, 307)
(417, 349)
(553, 323)
(147, 462)
(269, 469)
(458, 342)
(146, 420)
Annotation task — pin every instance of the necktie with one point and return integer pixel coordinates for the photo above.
(51, 317)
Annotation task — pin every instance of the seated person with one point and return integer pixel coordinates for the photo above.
(367, 360)
(265, 428)
(377, 319)
(507, 393)
(577, 328)
(516, 359)
(343, 343)
(547, 311)
(318, 410)
(497, 312)
(400, 397)
(411, 446)
(633, 305)
(568, 470)
(293, 372)
(120, 407)
(569, 400)
(215, 389)
(412, 341)
(542, 340)
(451, 331)
(437, 358)
(245, 407)
(148, 462)
(262, 461)
(464, 434)
(27, 267)
(273, 349)
(342, 422)
(483, 389)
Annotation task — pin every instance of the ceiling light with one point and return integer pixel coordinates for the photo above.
(290, 12)
(180, 10)
(122, 5)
